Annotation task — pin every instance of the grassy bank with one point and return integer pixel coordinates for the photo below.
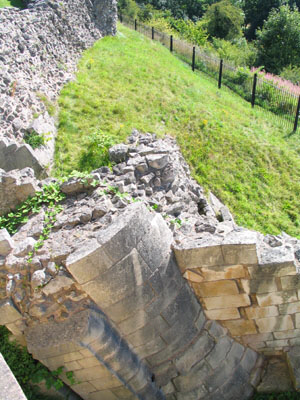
(245, 158)
(11, 3)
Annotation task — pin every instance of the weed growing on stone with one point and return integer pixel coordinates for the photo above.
(50, 196)
(34, 139)
(28, 371)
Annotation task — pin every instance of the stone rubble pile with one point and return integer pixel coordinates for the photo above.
(39, 50)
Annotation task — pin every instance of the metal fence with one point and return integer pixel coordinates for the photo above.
(282, 104)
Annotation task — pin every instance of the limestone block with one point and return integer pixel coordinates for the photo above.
(8, 312)
(102, 394)
(289, 308)
(290, 282)
(98, 377)
(152, 249)
(219, 352)
(57, 284)
(24, 247)
(6, 243)
(214, 289)
(295, 333)
(239, 254)
(237, 300)
(83, 389)
(193, 379)
(195, 353)
(88, 262)
(264, 285)
(275, 255)
(193, 276)
(257, 338)
(293, 360)
(240, 327)
(223, 272)
(272, 270)
(9, 387)
(119, 281)
(157, 161)
(297, 319)
(278, 343)
(269, 299)
(223, 314)
(190, 256)
(275, 324)
(121, 237)
(261, 312)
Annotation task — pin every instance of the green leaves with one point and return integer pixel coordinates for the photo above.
(50, 195)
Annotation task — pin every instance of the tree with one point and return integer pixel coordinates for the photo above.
(278, 42)
(224, 20)
(256, 12)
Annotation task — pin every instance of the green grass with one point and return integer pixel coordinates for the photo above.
(248, 160)
(11, 3)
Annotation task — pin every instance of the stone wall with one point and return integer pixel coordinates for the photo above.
(249, 283)
(145, 289)
(39, 50)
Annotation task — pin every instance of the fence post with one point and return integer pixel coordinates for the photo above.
(194, 58)
(220, 74)
(297, 116)
(121, 18)
(171, 43)
(254, 90)
(135, 25)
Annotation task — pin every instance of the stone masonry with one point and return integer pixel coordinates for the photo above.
(39, 50)
(105, 297)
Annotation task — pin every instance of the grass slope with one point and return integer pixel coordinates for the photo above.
(127, 82)
(11, 3)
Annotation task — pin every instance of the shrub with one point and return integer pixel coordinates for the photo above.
(34, 139)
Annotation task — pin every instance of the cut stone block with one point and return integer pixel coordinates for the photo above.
(274, 270)
(119, 281)
(6, 243)
(88, 262)
(223, 314)
(293, 360)
(238, 300)
(275, 324)
(290, 282)
(263, 285)
(57, 284)
(290, 308)
(269, 299)
(8, 312)
(261, 312)
(295, 333)
(9, 387)
(214, 289)
(223, 272)
(240, 327)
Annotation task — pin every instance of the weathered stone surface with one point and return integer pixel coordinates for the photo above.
(8, 312)
(24, 91)
(274, 324)
(6, 243)
(15, 187)
(237, 300)
(9, 387)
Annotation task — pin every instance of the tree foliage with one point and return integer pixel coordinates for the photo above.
(224, 20)
(278, 42)
(256, 12)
